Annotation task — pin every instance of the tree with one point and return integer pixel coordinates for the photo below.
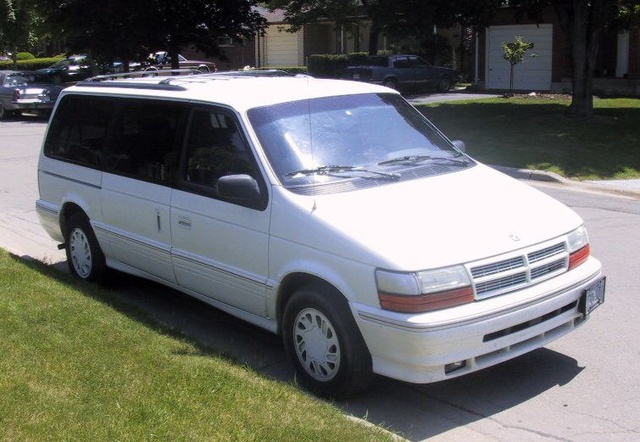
(126, 30)
(416, 18)
(584, 22)
(16, 19)
(514, 53)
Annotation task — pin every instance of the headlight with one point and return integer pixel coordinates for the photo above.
(578, 246)
(428, 290)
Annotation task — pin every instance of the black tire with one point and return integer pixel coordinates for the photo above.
(323, 342)
(444, 84)
(391, 84)
(84, 256)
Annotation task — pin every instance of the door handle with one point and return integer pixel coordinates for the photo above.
(184, 222)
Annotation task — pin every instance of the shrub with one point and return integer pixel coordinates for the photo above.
(29, 65)
(24, 56)
(333, 65)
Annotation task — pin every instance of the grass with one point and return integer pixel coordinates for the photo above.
(77, 363)
(535, 133)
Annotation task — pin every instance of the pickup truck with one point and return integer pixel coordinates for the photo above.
(403, 72)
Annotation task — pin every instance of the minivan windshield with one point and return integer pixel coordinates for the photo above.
(374, 137)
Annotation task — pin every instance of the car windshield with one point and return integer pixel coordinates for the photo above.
(375, 137)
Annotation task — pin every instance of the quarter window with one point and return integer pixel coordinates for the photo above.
(78, 133)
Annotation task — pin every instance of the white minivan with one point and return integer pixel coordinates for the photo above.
(330, 212)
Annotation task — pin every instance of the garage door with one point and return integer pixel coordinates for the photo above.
(281, 47)
(534, 72)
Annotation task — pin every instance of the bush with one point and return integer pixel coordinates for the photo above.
(24, 56)
(293, 70)
(29, 65)
(333, 65)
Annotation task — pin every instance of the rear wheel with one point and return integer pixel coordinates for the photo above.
(84, 256)
(324, 343)
(444, 84)
(391, 84)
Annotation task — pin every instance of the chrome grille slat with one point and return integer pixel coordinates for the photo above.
(498, 267)
(508, 273)
(546, 253)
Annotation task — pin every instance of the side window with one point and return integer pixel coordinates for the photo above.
(78, 130)
(401, 63)
(417, 62)
(215, 148)
(144, 140)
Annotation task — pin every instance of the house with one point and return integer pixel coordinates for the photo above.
(547, 65)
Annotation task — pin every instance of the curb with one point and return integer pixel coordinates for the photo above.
(550, 177)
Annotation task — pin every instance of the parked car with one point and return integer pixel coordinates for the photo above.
(162, 60)
(71, 69)
(403, 72)
(330, 212)
(19, 92)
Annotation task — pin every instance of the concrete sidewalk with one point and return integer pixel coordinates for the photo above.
(22, 235)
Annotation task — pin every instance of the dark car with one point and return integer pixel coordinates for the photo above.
(68, 70)
(161, 60)
(403, 72)
(20, 92)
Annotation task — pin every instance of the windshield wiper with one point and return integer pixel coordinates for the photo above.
(415, 159)
(333, 169)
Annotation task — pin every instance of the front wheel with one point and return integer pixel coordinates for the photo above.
(84, 256)
(323, 342)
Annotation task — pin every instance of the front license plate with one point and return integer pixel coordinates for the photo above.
(593, 297)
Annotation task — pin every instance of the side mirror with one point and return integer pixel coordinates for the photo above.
(459, 144)
(239, 188)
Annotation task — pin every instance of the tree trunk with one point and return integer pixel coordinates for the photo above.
(173, 52)
(374, 33)
(586, 21)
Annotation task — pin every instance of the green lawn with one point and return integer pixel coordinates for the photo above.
(77, 363)
(535, 133)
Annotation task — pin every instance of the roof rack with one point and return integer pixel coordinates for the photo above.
(132, 85)
(148, 73)
(120, 79)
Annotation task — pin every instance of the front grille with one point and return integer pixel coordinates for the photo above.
(508, 273)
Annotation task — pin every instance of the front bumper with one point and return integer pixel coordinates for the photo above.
(440, 345)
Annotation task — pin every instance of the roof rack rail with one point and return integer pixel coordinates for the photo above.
(149, 72)
(162, 86)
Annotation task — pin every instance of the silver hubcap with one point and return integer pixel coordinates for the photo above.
(316, 344)
(80, 253)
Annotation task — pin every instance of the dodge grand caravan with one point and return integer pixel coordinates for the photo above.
(330, 212)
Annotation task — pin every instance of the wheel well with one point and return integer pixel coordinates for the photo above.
(296, 280)
(68, 210)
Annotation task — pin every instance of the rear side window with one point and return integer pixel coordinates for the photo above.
(78, 130)
(144, 140)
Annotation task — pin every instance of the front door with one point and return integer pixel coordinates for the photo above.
(220, 247)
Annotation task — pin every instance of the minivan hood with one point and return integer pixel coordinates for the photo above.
(434, 222)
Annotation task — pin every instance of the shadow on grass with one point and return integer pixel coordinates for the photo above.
(414, 411)
(542, 136)
(169, 312)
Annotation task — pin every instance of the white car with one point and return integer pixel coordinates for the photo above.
(330, 212)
